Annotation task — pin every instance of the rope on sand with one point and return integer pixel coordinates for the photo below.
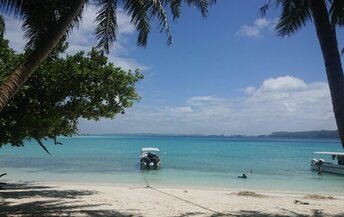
(187, 201)
(179, 198)
(147, 184)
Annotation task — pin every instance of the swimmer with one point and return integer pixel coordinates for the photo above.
(243, 176)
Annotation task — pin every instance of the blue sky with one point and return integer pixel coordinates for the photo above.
(227, 74)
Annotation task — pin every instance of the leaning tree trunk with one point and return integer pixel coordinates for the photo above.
(13, 83)
(329, 47)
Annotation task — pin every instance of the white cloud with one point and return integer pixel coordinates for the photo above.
(256, 29)
(283, 83)
(288, 103)
(202, 100)
(284, 103)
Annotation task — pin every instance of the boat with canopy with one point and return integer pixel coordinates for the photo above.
(149, 158)
(329, 162)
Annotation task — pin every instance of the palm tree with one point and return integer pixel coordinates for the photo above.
(46, 22)
(40, 35)
(2, 27)
(326, 16)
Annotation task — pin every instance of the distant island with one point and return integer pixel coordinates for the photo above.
(320, 134)
(306, 134)
(325, 134)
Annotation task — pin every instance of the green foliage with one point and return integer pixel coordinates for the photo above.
(60, 92)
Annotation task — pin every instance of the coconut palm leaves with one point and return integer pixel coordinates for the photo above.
(40, 19)
(336, 12)
(141, 13)
(106, 31)
(12, 7)
(138, 11)
(295, 14)
(39, 16)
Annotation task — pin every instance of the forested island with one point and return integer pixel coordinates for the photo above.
(305, 134)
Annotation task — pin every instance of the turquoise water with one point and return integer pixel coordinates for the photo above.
(211, 162)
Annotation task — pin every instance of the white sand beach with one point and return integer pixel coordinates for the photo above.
(62, 199)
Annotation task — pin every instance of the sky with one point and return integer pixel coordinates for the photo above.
(229, 73)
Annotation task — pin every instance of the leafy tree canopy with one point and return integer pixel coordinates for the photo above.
(63, 90)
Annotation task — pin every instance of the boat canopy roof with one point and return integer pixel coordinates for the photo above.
(330, 153)
(148, 149)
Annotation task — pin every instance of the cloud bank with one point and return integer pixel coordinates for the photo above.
(278, 104)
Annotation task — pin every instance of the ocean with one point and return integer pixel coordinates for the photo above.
(187, 161)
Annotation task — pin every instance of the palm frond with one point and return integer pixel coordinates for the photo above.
(200, 4)
(12, 7)
(2, 27)
(106, 31)
(295, 14)
(265, 8)
(158, 10)
(76, 22)
(336, 12)
(40, 16)
(175, 6)
(137, 11)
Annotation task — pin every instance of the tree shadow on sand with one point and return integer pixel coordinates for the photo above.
(26, 199)
(250, 213)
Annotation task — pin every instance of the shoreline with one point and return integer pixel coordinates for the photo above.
(193, 187)
(88, 199)
(169, 186)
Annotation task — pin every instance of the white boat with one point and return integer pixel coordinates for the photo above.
(329, 162)
(149, 158)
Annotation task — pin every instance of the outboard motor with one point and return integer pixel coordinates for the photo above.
(314, 161)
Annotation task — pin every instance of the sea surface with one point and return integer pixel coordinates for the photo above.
(187, 161)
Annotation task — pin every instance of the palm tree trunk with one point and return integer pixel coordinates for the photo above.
(329, 47)
(13, 83)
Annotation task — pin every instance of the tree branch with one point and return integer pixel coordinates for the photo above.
(42, 145)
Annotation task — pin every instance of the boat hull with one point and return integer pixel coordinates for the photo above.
(329, 168)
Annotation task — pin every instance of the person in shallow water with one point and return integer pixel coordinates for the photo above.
(243, 176)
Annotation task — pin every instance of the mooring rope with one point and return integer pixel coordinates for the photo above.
(187, 201)
(147, 184)
(179, 198)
